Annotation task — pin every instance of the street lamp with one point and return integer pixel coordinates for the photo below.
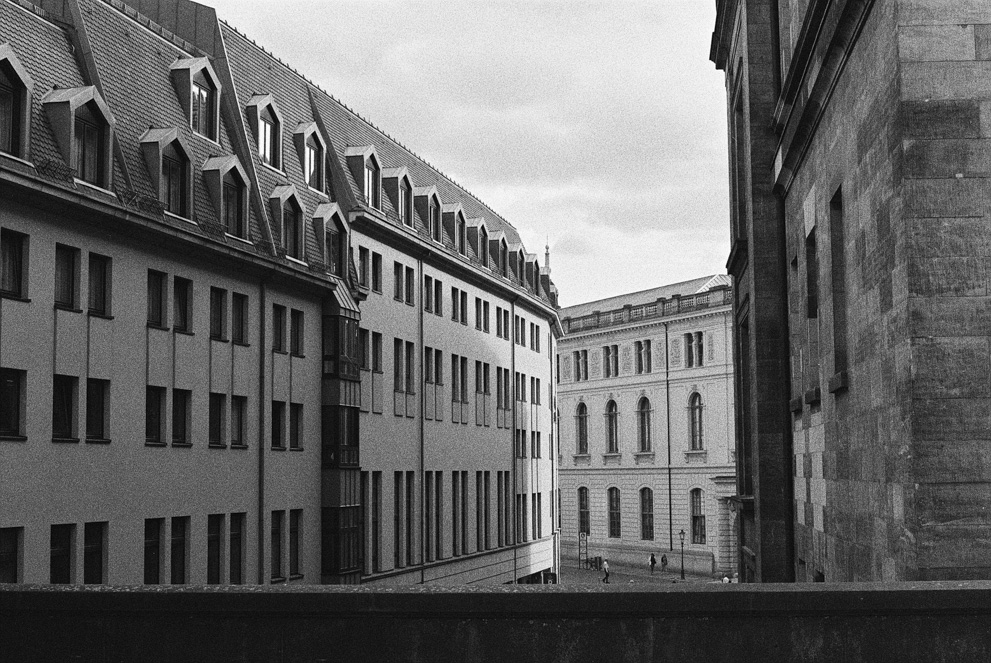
(681, 535)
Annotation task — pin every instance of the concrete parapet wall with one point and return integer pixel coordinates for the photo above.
(897, 621)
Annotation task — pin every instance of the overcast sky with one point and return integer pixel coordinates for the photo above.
(597, 126)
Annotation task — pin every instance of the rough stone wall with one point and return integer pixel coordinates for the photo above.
(944, 50)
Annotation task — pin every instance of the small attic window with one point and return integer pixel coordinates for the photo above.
(520, 266)
(483, 245)
(462, 232)
(204, 105)
(226, 182)
(15, 104)
(90, 144)
(503, 259)
(268, 129)
(372, 188)
(435, 232)
(310, 150)
(330, 228)
(198, 89)
(175, 176)
(233, 205)
(405, 204)
(292, 232)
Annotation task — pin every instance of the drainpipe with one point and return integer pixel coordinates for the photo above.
(262, 345)
(423, 409)
(667, 423)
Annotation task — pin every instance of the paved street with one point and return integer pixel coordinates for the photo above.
(622, 575)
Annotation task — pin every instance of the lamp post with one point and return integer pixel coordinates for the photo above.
(681, 535)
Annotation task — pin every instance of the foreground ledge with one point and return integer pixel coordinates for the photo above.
(924, 621)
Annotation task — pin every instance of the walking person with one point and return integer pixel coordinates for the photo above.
(653, 563)
(664, 563)
(605, 567)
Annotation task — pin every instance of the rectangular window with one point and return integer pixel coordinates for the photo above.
(278, 424)
(410, 367)
(94, 553)
(8, 119)
(214, 546)
(239, 318)
(428, 516)
(295, 426)
(156, 298)
(218, 314)
(428, 294)
(455, 518)
(455, 304)
(62, 554)
(439, 514)
(180, 550)
(464, 307)
(182, 296)
(698, 517)
(10, 554)
(485, 317)
(181, 415)
(410, 520)
(438, 297)
(377, 272)
(86, 155)
(233, 208)
(364, 351)
(295, 520)
(398, 366)
(376, 521)
(278, 328)
(838, 282)
(363, 266)
(202, 120)
(154, 406)
(488, 509)
(455, 380)
(397, 514)
(99, 284)
(239, 418)
(278, 533)
(410, 286)
(218, 412)
(97, 406)
(296, 332)
(464, 380)
(811, 275)
(397, 281)
(64, 389)
(153, 550)
(499, 321)
(237, 549)
(478, 313)
(376, 352)
(428, 365)
(66, 276)
(12, 263)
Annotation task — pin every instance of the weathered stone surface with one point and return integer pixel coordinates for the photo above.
(947, 197)
(941, 119)
(982, 39)
(943, 316)
(936, 43)
(929, 277)
(943, 12)
(951, 418)
(946, 80)
(952, 460)
(952, 367)
(947, 237)
(948, 158)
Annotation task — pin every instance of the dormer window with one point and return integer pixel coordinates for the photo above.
(287, 216)
(204, 102)
(435, 220)
(226, 182)
(292, 239)
(310, 149)
(198, 89)
(329, 224)
(175, 168)
(82, 124)
(461, 233)
(15, 104)
(371, 189)
(267, 131)
(520, 262)
(89, 146)
(483, 244)
(405, 204)
(503, 259)
(167, 157)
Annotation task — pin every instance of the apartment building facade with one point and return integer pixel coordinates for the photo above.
(188, 389)
(646, 422)
(859, 250)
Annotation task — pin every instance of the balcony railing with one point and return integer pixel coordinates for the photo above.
(662, 308)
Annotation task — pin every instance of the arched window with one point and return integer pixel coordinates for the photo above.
(698, 516)
(695, 417)
(643, 424)
(581, 428)
(583, 519)
(614, 513)
(612, 428)
(646, 514)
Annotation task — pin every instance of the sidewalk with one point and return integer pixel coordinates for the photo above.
(623, 575)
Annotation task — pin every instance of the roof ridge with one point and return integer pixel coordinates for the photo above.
(366, 121)
(706, 278)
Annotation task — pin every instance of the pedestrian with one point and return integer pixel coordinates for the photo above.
(664, 563)
(653, 563)
(605, 567)
(725, 580)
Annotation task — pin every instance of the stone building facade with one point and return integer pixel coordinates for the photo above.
(646, 424)
(858, 138)
(246, 337)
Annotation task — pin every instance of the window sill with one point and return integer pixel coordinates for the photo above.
(216, 445)
(278, 448)
(65, 440)
(577, 456)
(182, 445)
(14, 157)
(277, 581)
(205, 137)
(614, 454)
(179, 217)
(239, 239)
(276, 351)
(274, 169)
(219, 339)
(295, 448)
(67, 308)
(95, 187)
(297, 355)
(97, 314)
(298, 261)
(296, 576)
(13, 438)
(153, 443)
(238, 446)
(410, 304)
(696, 452)
(184, 332)
(241, 344)
(97, 440)
(14, 297)
(153, 325)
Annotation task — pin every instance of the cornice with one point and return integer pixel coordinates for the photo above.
(721, 309)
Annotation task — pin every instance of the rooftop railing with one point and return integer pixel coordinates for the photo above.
(662, 308)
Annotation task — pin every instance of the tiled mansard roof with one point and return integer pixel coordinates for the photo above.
(131, 62)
